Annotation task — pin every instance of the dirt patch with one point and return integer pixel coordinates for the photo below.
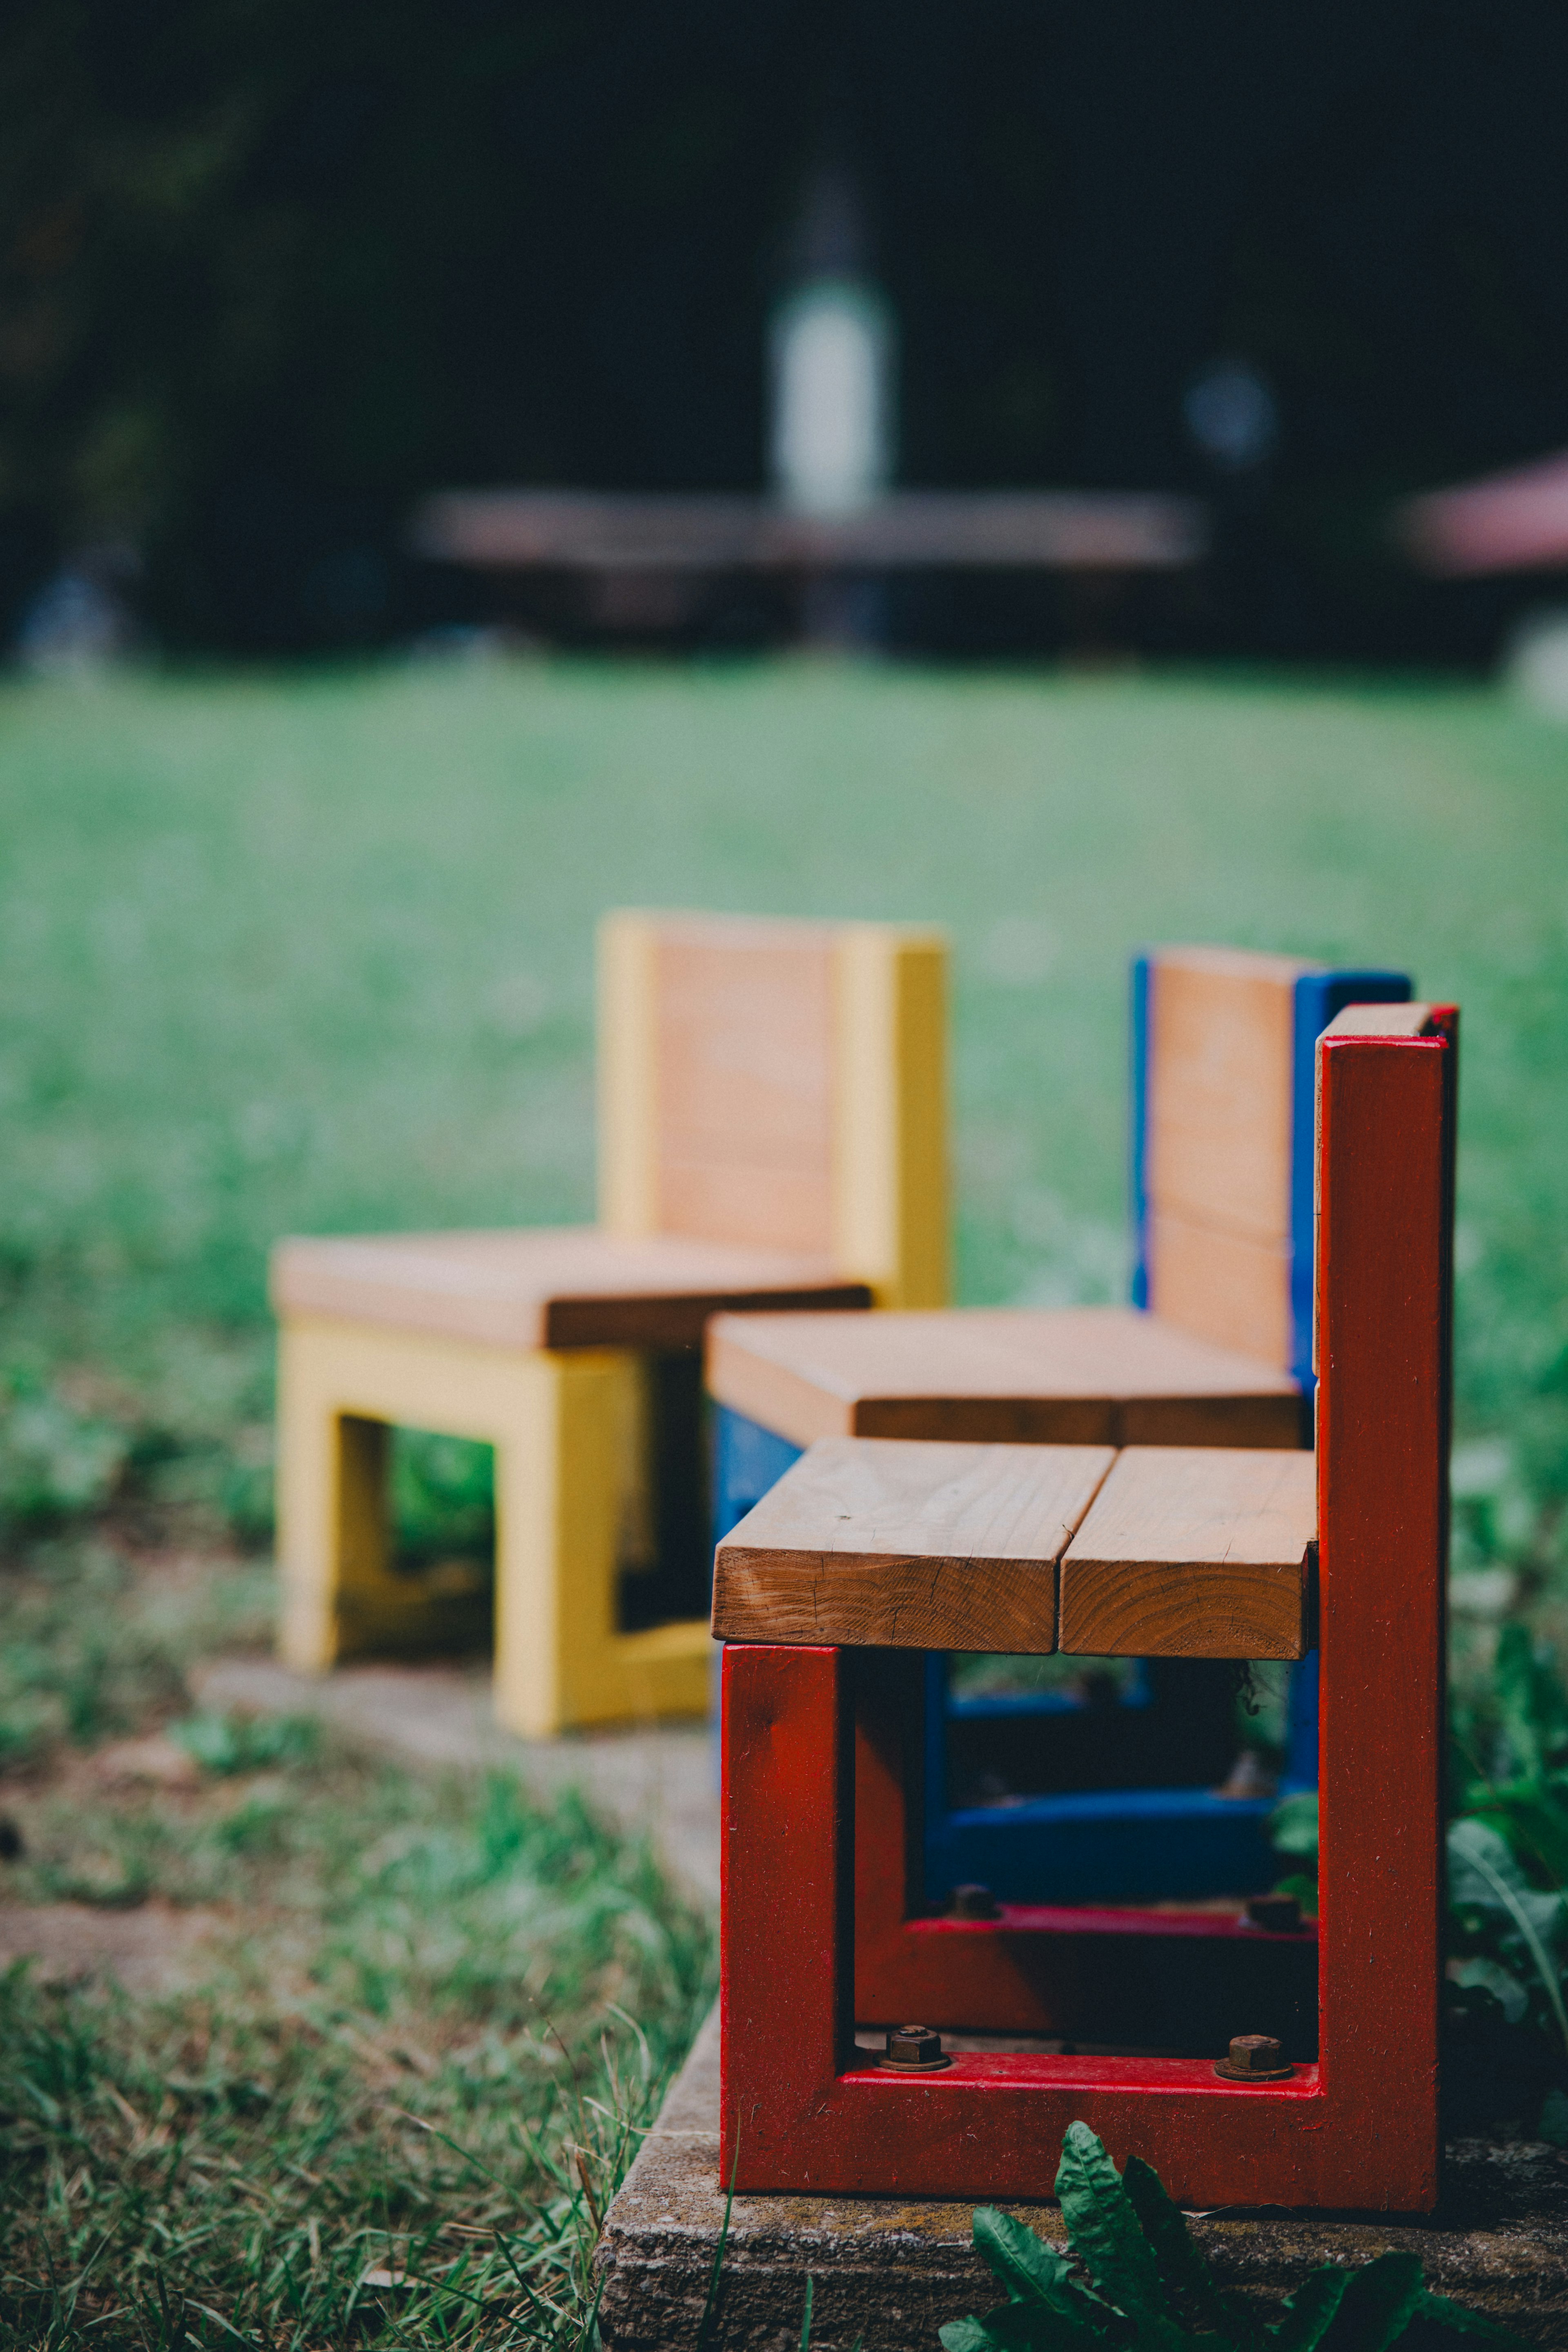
(156, 1948)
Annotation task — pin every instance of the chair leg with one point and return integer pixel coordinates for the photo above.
(571, 1432)
(565, 1478)
(331, 1511)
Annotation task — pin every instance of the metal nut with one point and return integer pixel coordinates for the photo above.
(973, 1902)
(914, 2050)
(1254, 2058)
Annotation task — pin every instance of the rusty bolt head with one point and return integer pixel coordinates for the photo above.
(973, 1902)
(1254, 2058)
(914, 2050)
(1278, 1915)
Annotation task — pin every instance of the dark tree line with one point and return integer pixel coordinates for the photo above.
(267, 271)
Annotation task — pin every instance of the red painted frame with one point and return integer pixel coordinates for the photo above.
(801, 2109)
(1063, 1972)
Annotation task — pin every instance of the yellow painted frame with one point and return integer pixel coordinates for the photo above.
(564, 1483)
(889, 1096)
(568, 1426)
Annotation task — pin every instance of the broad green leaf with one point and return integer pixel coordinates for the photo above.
(1108, 2239)
(1376, 2305)
(1031, 2271)
(1032, 2328)
(1310, 2311)
(966, 2335)
(1181, 2262)
(1531, 1818)
(1455, 2320)
(1482, 1870)
(1530, 1700)
(1554, 2123)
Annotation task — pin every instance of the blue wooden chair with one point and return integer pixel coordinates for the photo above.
(1123, 1785)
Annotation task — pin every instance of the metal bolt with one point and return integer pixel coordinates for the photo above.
(1278, 1915)
(1254, 2058)
(973, 1902)
(914, 2050)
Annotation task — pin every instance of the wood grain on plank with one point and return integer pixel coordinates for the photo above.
(1229, 1288)
(563, 1286)
(1088, 1375)
(1222, 1029)
(626, 1073)
(874, 1542)
(745, 1052)
(777, 1208)
(1194, 1552)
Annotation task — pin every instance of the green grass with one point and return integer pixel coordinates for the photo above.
(425, 2026)
(314, 953)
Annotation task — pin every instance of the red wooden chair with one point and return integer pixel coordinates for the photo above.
(831, 1577)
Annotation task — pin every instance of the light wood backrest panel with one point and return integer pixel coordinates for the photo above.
(744, 1115)
(1220, 1070)
(782, 1084)
(1220, 1046)
(627, 1063)
(1227, 1287)
(1412, 1019)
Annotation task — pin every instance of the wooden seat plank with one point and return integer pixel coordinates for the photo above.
(562, 1286)
(1194, 1552)
(1091, 1375)
(884, 1543)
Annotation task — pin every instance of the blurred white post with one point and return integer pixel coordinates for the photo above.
(833, 427)
(832, 348)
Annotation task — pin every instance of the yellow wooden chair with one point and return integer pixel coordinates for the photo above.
(772, 1135)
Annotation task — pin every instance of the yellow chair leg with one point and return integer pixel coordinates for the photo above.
(557, 1512)
(567, 1487)
(569, 1430)
(331, 1509)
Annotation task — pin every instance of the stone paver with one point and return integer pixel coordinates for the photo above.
(891, 2271)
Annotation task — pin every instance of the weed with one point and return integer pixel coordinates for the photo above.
(1137, 2279)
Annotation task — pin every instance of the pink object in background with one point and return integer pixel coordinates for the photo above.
(1516, 521)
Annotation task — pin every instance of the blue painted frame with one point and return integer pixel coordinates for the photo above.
(1319, 995)
(1121, 1845)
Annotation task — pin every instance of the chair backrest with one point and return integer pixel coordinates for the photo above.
(1223, 1044)
(781, 1085)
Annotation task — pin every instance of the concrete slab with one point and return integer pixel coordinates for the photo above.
(657, 1777)
(891, 2273)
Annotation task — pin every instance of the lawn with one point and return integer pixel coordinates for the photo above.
(401, 2031)
(314, 953)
